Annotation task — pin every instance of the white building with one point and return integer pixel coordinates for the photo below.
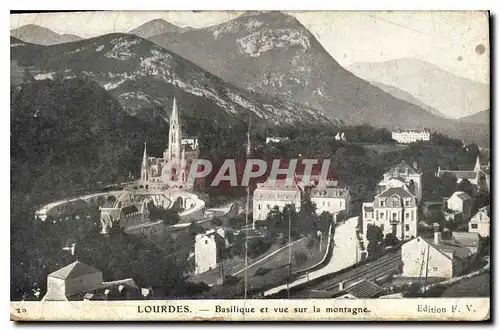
(459, 203)
(329, 197)
(411, 136)
(273, 193)
(394, 211)
(79, 281)
(411, 176)
(436, 257)
(208, 249)
(480, 223)
(276, 139)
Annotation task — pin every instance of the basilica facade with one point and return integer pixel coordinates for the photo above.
(171, 170)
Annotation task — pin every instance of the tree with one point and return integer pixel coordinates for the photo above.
(375, 237)
(466, 186)
(27, 76)
(391, 240)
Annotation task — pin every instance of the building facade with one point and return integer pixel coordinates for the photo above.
(208, 250)
(329, 197)
(273, 193)
(459, 203)
(480, 222)
(424, 257)
(410, 136)
(172, 169)
(394, 211)
(410, 176)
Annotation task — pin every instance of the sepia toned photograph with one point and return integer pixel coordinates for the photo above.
(255, 165)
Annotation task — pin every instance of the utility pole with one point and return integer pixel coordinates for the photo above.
(427, 268)
(289, 254)
(249, 150)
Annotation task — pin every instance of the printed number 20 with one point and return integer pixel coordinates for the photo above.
(20, 310)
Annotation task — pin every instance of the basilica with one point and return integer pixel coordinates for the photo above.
(171, 170)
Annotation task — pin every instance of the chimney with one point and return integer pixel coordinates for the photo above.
(437, 237)
(415, 166)
(341, 286)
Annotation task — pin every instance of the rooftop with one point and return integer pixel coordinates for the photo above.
(461, 195)
(364, 289)
(401, 167)
(447, 247)
(74, 270)
(399, 191)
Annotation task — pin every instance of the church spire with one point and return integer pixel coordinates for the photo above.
(144, 165)
(477, 167)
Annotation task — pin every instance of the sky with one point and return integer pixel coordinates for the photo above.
(455, 41)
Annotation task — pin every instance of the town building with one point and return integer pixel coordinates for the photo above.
(340, 136)
(276, 140)
(437, 258)
(79, 281)
(172, 169)
(480, 222)
(411, 136)
(400, 174)
(273, 193)
(479, 176)
(394, 211)
(330, 197)
(209, 248)
(460, 203)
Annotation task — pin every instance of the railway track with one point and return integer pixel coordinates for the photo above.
(370, 271)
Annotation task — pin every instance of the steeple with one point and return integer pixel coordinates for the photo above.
(477, 167)
(174, 135)
(144, 165)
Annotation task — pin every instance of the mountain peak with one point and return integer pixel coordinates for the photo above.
(36, 34)
(156, 27)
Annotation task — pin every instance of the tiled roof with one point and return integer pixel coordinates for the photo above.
(460, 174)
(457, 250)
(461, 195)
(396, 191)
(364, 289)
(74, 270)
(467, 239)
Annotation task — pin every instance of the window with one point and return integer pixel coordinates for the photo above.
(328, 203)
(206, 242)
(381, 203)
(407, 203)
(407, 215)
(366, 215)
(382, 227)
(382, 215)
(394, 216)
(340, 204)
(407, 227)
(259, 206)
(268, 206)
(473, 226)
(435, 269)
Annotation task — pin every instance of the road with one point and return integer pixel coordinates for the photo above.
(384, 266)
(345, 254)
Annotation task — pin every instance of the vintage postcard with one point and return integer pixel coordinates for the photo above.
(250, 166)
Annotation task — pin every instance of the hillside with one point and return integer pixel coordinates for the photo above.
(35, 34)
(144, 78)
(156, 27)
(272, 53)
(450, 94)
(400, 94)
(483, 117)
